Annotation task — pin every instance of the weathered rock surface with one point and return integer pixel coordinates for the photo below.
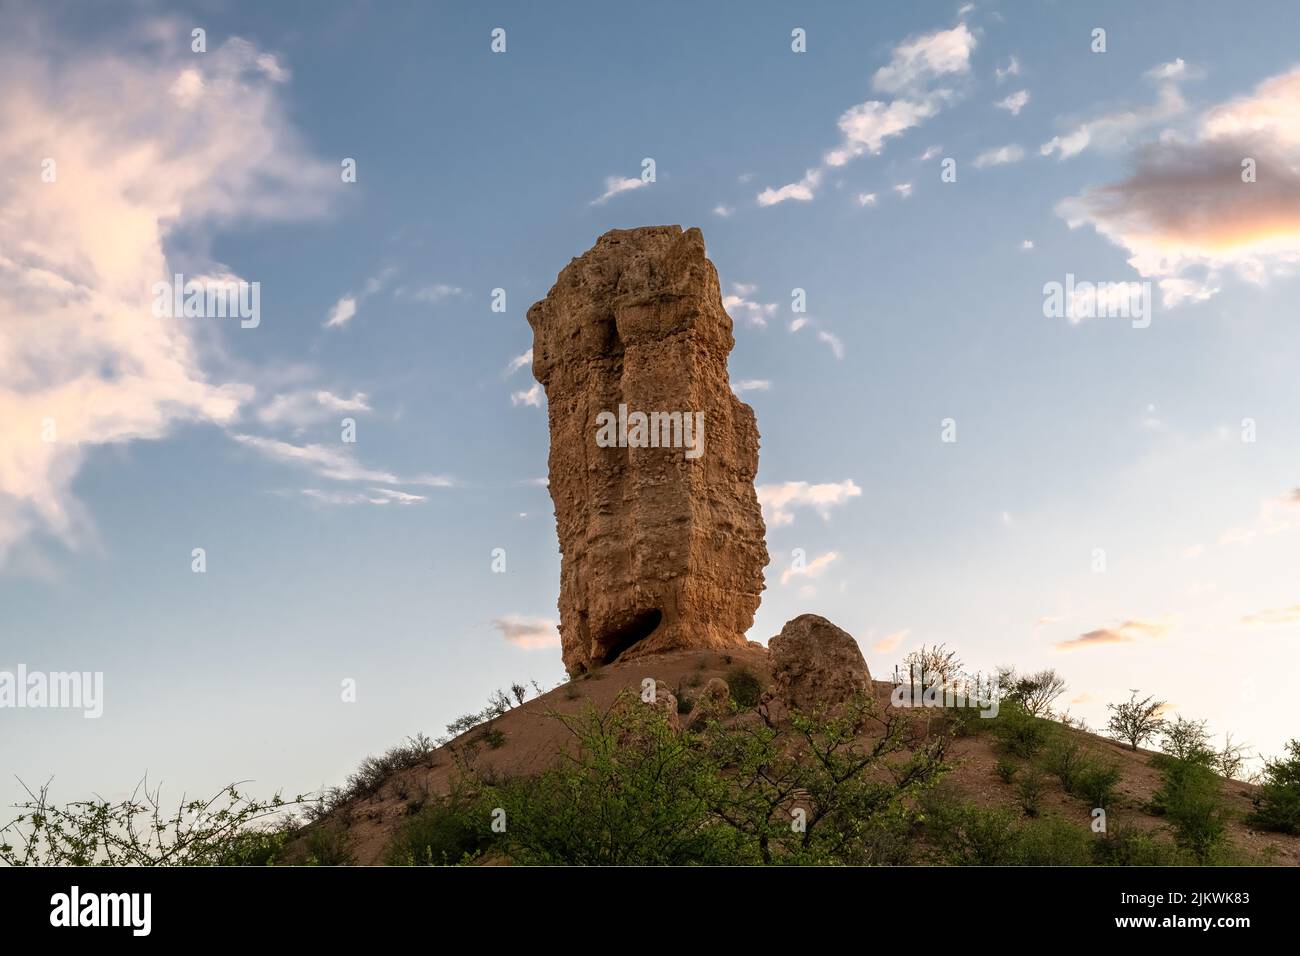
(816, 664)
(714, 703)
(659, 550)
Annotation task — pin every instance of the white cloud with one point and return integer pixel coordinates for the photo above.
(1014, 103)
(532, 396)
(723, 211)
(837, 347)
(376, 496)
(1168, 71)
(930, 153)
(812, 569)
(865, 128)
(754, 313)
(345, 309)
(518, 362)
(751, 385)
(904, 190)
(331, 462)
(866, 199)
(1011, 69)
(1027, 245)
(530, 633)
(801, 191)
(307, 407)
(1000, 156)
(779, 501)
(917, 62)
(1114, 130)
(615, 185)
(149, 142)
(797, 324)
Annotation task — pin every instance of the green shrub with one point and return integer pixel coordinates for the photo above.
(1030, 791)
(1277, 805)
(1129, 846)
(328, 844)
(1005, 769)
(746, 689)
(1190, 800)
(450, 830)
(1095, 782)
(1018, 732)
(1052, 841)
(494, 738)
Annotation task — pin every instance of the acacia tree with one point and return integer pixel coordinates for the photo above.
(1135, 721)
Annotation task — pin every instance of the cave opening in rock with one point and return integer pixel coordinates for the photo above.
(634, 631)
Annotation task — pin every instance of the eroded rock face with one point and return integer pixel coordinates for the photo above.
(816, 664)
(662, 547)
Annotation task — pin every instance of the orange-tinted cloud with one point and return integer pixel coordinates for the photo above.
(1126, 633)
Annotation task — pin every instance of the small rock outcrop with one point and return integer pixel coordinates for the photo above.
(653, 458)
(816, 664)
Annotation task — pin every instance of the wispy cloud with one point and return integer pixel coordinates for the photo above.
(890, 642)
(529, 633)
(376, 496)
(616, 186)
(306, 407)
(210, 143)
(1272, 618)
(1014, 103)
(1000, 156)
(751, 385)
(332, 462)
(752, 312)
(779, 501)
(1126, 633)
(811, 569)
(915, 67)
(531, 396)
(518, 362)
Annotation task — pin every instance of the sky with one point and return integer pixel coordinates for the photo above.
(945, 457)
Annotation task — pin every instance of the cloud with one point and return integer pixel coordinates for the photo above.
(866, 199)
(1185, 215)
(836, 346)
(1286, 615)
(917, 62)
(1000, 156)
(812, 569)
(434, 292)
(890, 642)
(1168, 71)
(914, 66)
(754, 313)
(930, 153)
(1126, 633)
(331, 462)
(615, 185)
(532, 396)
(150, 144)
(1014, 103)
(1114, 130)
(1011, 69)
(778, 501)
(723, 211)
(1027, 245)
(798, 323)
(518, 362)
(307, 407)
(904, 190)
(376, 496)
(344, 310)
(802, 191)
(529, 633)
(751, 385)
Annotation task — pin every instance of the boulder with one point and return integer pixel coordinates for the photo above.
(816, 665)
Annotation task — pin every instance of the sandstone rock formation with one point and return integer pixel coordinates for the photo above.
(662, 547)
(816, 664)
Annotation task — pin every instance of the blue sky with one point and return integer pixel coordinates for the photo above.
(476, 171)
